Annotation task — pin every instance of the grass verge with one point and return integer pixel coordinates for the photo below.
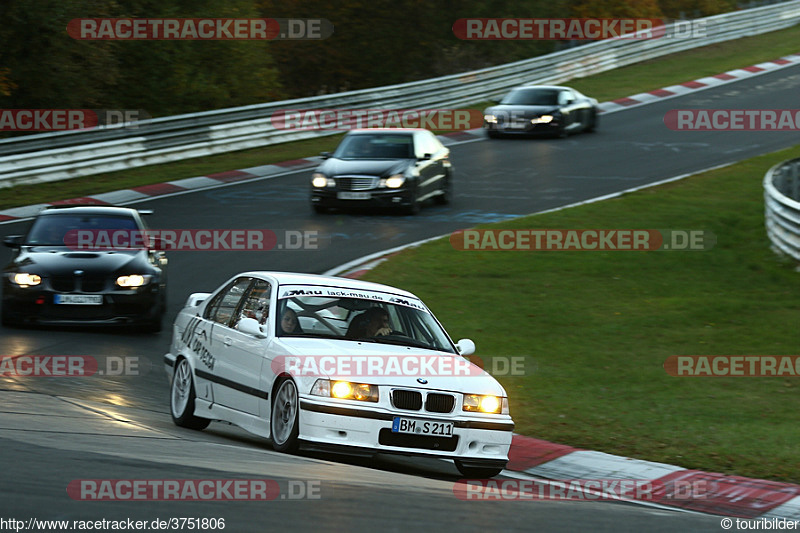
(618, 83)
(596, 328)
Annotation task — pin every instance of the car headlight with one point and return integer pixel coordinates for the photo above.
(133, 280)
(345, 390)
(25, 280)
(477, 403)
(320, 181)
(393, 182)
(491, 119)
(544, 119)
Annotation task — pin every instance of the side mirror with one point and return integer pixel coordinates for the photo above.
(465, 347)
(13, 241)
(325, 155)
(250, 326)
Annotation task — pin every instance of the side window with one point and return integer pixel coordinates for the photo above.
(425, 143)
(434, 144)
(256, 304)
(224, 305)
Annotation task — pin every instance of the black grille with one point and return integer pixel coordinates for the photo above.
(404, 440)
(76, 284)
(439, 403)
(93, 284)
(77, 312)
(355, 183)
(409, 400)
(63, 283)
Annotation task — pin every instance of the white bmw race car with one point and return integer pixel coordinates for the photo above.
(334, 364)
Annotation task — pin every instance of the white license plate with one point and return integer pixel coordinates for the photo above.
(422, 427)
(518, 126)
(78, 299)
(353, 196)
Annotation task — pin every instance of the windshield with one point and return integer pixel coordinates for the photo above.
(50, 230)
(376, 146)
(532, 97)
(369, 317)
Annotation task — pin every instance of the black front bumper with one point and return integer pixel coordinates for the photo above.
(378, 198)
(551, 128)
(37, 306)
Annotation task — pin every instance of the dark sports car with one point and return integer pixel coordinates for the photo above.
(49, 282)
(541, 109)
(394, 168)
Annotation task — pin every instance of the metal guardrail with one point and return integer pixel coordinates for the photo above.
(782, 207)
(63, 155)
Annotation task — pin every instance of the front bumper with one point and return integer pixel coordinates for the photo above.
(384, 198)
(37, 305)
(551, 128)
(366, 431)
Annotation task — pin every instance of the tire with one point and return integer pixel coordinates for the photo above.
(592, 127)
(477, 472)
(444, 198)
(492, 134)
(182, 396)
(6, 320)
(155, 324)
(284, 420)
(414, 208)
(318, 209)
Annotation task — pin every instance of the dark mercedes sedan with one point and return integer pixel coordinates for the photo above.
(52, 279)
(541, 109)
(392, 168)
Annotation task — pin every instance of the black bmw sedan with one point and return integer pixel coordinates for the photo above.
(541, 109)
(395, 168)
(50, 280)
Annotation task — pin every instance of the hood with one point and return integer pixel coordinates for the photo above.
(524, 111)
(55, 260)
(371, 167)
(454, 374)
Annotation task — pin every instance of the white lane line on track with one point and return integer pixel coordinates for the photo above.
(355, 263)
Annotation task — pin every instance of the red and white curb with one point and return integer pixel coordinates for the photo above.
(699, 84)
(147, 192)
(725, 495)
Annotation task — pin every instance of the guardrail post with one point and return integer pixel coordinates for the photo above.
(782, 207)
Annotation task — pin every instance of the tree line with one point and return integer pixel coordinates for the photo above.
(375, 43)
